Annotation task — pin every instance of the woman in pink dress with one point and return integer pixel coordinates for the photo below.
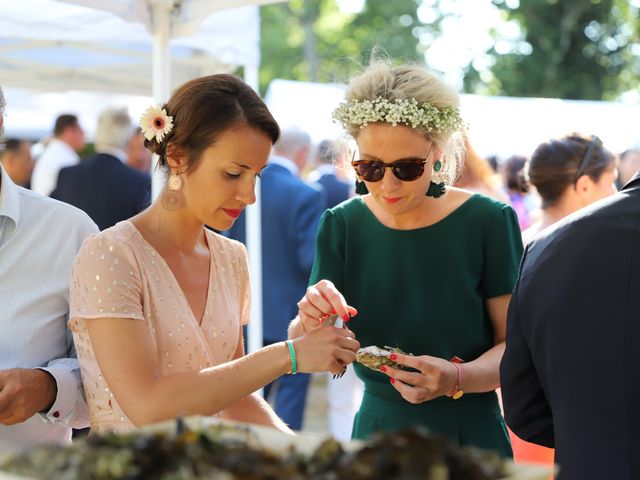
(158, 301)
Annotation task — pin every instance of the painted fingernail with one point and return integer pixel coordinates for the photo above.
(392, 380)
(333, 312)
(383, 368)
(393, 356)
(346, 317)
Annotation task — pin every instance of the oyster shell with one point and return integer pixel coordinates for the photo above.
(374, 357)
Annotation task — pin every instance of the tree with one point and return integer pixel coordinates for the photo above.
(577, 49)
(313, 40)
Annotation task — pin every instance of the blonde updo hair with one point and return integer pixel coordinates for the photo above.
(381, 79)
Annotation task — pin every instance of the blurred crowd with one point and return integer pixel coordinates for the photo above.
(536, 186)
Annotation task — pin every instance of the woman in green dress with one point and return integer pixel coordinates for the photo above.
(429, 267)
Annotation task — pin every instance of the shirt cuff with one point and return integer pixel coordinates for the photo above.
(64, 407)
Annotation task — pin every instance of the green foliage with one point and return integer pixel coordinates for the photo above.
(577, 49)
(313, 40)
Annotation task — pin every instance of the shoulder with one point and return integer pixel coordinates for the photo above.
(116, 241)
(346, 211)
(62, 215)
(598, 226)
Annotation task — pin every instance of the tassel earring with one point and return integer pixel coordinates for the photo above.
(172, 198)
(361, 188)
(437, 186)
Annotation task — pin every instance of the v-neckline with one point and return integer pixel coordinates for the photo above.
(175, 280)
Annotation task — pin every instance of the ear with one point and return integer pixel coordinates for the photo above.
(176, 159)
(584, 185)
(437, 152)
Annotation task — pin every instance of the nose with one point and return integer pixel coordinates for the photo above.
(389, 182)
(247, 193)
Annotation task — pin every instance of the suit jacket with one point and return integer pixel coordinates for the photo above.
(105, 188)
(571, 370)
(336, 189)
(291, 211)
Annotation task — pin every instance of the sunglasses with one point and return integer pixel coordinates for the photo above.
(588, 153)
(406, 170)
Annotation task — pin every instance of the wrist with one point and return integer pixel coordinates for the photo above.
(292, 357)
(457, 391)
(49, 388)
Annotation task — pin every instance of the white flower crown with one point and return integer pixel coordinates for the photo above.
(405, 111)
(155, 123)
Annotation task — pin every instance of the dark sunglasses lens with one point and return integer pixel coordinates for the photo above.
(370, 171)
(408, 171)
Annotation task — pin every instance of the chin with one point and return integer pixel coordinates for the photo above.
(218, 224)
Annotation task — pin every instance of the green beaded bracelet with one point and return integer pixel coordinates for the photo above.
(292, 354)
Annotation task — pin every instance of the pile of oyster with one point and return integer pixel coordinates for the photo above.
(212, 454)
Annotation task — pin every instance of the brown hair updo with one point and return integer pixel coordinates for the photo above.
(554, 164)
(204, 108)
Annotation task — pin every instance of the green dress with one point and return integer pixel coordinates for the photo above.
(424, 291)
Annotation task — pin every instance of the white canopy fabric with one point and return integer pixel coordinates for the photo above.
(50, 45)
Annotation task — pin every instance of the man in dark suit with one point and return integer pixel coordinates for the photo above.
(570, 374)
(291, 211)
(104, 186)
(330, 158)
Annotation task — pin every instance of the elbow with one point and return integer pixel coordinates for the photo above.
(144, 415)
(144, 408)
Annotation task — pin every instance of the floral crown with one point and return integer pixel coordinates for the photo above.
(406, 111)
(156, 123)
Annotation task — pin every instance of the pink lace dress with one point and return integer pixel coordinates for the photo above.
(118, 274)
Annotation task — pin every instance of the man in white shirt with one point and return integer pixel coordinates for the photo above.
(41, 396)
(68, 138)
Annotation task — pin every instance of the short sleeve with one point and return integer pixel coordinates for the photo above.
(502, 253)
(105, 280)
(244, 283)
(329, 263)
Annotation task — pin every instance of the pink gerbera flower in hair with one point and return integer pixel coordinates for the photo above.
(155, 123)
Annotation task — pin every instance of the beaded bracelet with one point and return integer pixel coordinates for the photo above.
(292, 354)
(457, 391)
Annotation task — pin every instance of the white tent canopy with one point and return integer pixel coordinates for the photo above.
(49, 45)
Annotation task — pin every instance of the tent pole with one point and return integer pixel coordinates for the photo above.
(161, 71)
(254, 247)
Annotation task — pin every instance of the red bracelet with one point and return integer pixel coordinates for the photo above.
(457, 393)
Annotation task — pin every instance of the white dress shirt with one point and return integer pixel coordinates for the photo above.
(39, 239)
(57, 155)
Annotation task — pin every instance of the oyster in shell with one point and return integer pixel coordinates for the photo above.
(374, 357)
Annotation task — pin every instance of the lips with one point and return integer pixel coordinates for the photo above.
(233, 213)
(392, 199)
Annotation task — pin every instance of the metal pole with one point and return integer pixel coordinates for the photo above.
(253, 228)
(161, 71)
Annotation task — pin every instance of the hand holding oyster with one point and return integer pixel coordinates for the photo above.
(374, 357)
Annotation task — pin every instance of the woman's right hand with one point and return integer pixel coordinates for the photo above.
(322, 300)
(326, 349)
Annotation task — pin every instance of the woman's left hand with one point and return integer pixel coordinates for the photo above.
(435, 377)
